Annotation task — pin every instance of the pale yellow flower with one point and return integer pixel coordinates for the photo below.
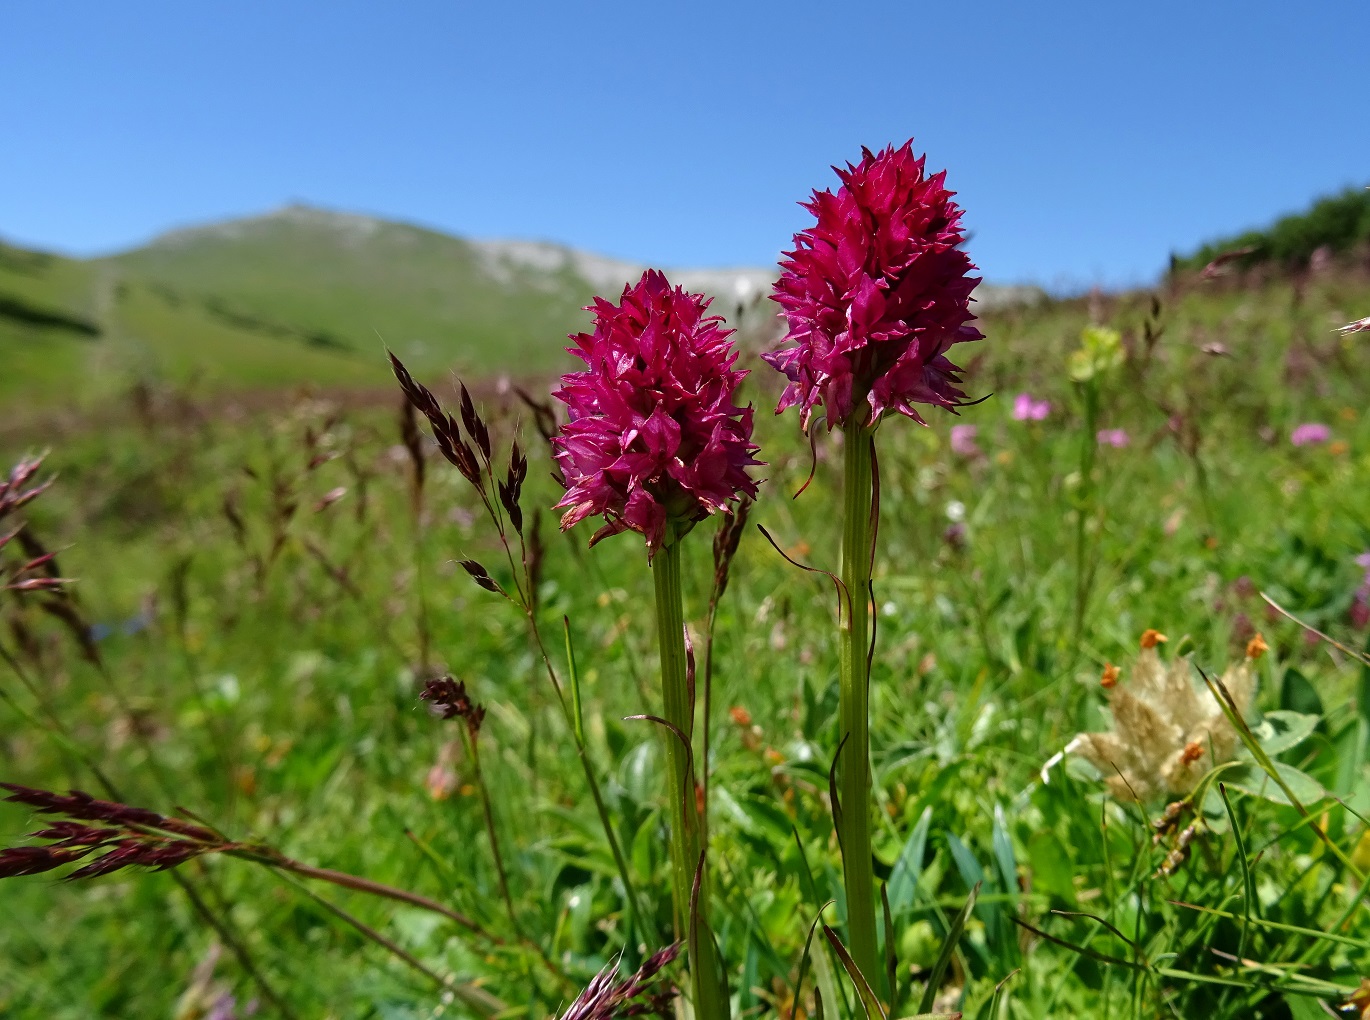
(1167, 732)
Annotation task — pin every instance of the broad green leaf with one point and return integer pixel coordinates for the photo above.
(1282, 729)
(1251, 778)
(1298, 695)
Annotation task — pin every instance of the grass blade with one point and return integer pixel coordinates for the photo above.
(939, 969)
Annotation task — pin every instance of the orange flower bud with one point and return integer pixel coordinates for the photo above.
(1256, 647)
(1151, 638)
(1110, 678)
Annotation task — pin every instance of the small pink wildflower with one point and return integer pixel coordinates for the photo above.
(1025, 408)
(963, 440)
(653, 436)
(875, 293)
(1116, 438)
(1310, 434)
(1360, 602)
(1359, 326)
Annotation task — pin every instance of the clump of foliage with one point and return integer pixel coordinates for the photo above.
(1337, 223)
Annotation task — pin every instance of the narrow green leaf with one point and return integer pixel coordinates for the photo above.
(909, 867)
(1003, 852)
(939, 969)
(871, 1005)
(577, 716)
(804, 966)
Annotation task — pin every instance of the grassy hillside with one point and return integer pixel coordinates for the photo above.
(301, 297)
(74, 334)
(346, 284)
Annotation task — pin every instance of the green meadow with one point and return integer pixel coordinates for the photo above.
(262, 588)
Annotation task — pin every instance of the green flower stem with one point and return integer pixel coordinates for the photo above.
(854, 763)
(1084, 510)
(710, 1003)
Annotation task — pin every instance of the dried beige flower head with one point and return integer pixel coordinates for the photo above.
(1166, 731)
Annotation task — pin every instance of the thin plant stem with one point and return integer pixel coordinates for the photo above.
(477, 998)
(854, 697)
(473, 748)
(592, 781)
(710, 1002)
(366, 885)
(1084, 510)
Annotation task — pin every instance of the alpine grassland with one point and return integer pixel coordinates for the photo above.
(1055, 706)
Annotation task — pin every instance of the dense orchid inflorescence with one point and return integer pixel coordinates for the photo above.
(875, 293)
(654, 436)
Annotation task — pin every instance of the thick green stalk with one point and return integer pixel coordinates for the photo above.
(854, 765)
(710, 1003)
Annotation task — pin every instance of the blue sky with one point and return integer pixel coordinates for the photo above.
(1086, 140)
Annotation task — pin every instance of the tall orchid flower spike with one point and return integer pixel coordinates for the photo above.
(655, 444)
(875, 294)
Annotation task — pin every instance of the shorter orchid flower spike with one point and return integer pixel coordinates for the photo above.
(654, 438)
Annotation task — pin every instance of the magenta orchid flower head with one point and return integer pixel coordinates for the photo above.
(654, 436)
(874, 294)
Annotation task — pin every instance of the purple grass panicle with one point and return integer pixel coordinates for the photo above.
(875, 293)
(132, 837)
(641, 994)
(653, 436)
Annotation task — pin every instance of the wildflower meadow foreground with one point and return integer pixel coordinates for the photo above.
(1032, 683)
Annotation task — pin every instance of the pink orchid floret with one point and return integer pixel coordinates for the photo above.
(875, 293)
(1116, 438)
(654, 436)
